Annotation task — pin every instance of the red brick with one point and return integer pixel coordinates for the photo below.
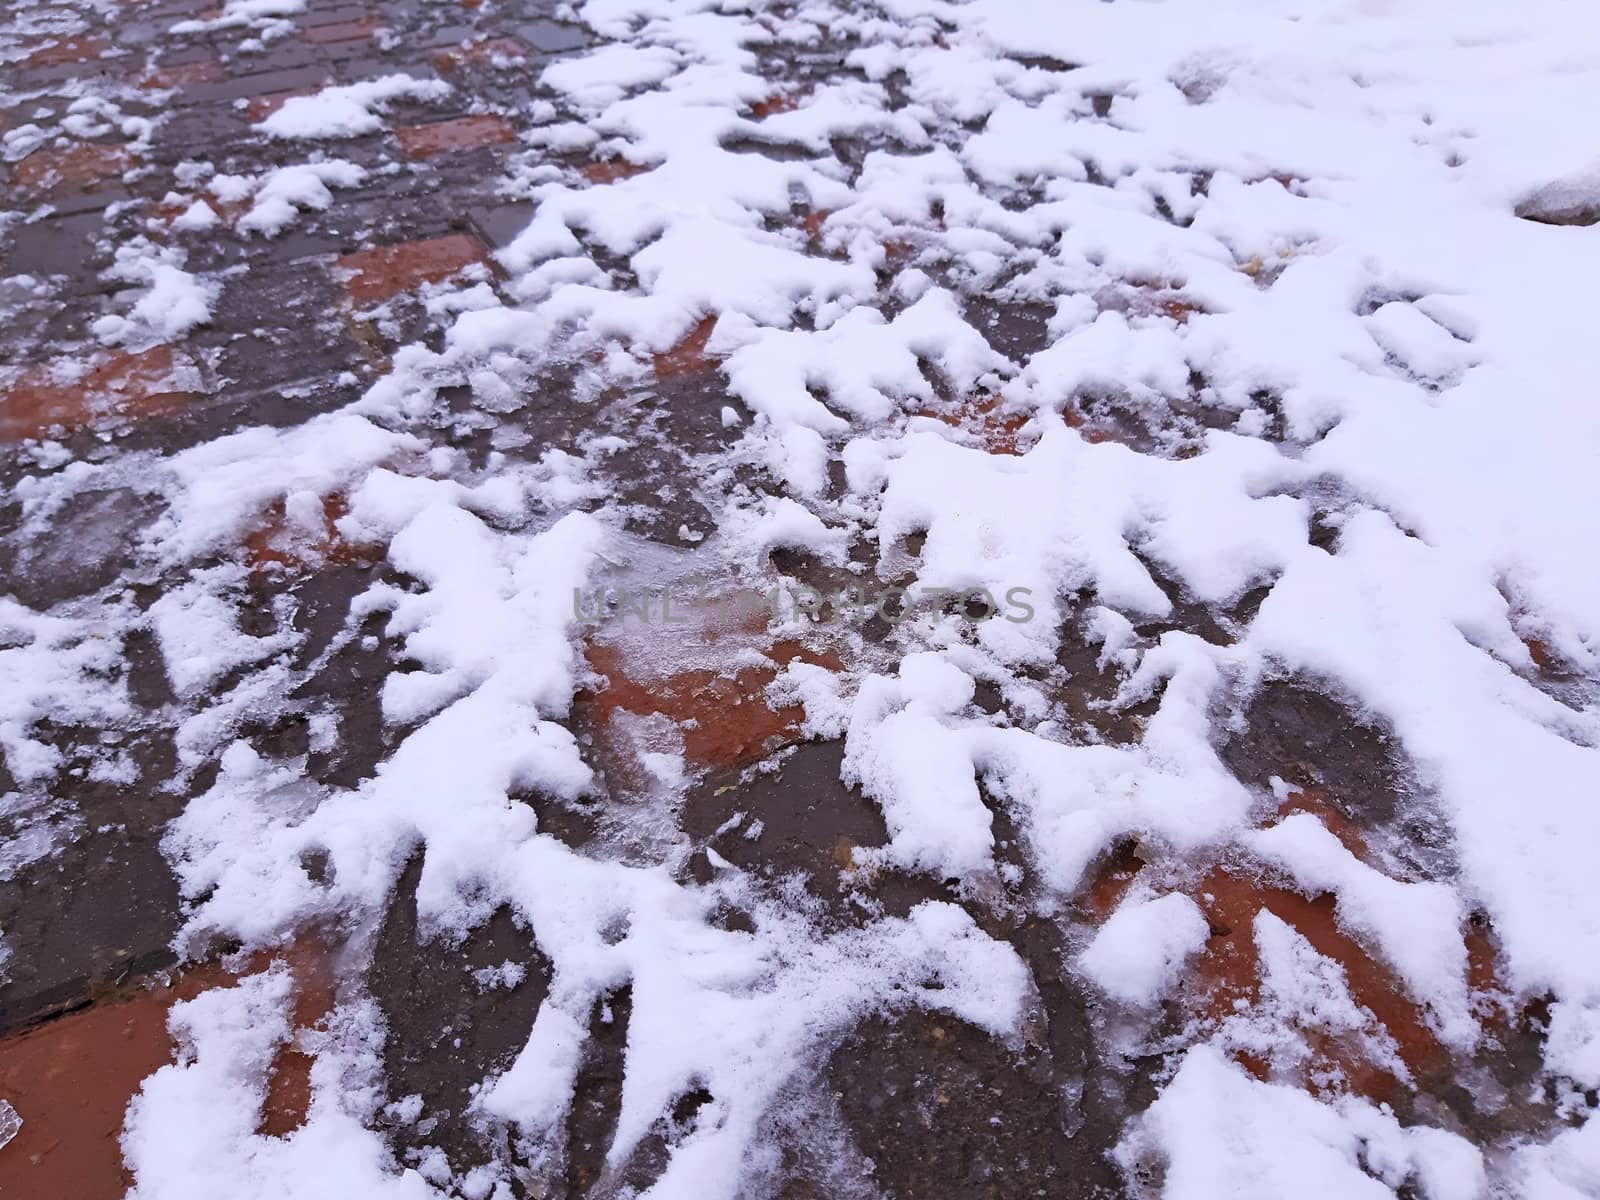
(488, 50)
(1543, 659)
(689, 356)
(164, 78)
(1178, 308)
(72, 1079)
(118, 385)
(259, 108)
(340, 31)
(996, 430)
(1284, 180)
(275, 545)
(812, 223)
(610, 170)
(724, 717)
(77, 166)
(68, 50)
(462, 133)
(778, 102)
(386, 271)
(1112, 879)
(1228, 970)
(228, 211)
(1149, 298)
(1315, 801)
(311, 964)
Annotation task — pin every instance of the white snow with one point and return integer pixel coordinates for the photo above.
(282, 194)
(198, 216)
(1303, 994)
(1416, 925)
(199, 635)
(347, 110)
(1252, 281)
(268, 16)
(1140, 951)
(1218, 1132)
(52, 668)
(214, 1094)
(171, 303)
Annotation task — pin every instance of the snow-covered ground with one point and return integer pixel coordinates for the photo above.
(1187, 371)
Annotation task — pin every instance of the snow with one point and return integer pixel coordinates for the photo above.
(198, 216)
(1140, 952)
(1568, 1168)
(1284, 246)
(198, 632)
(223, 488)
(281, 195)
(1303, 993)
(1222, 1133)
(1417, 925)
(51, 669)
(215, 1090)
(269, 16)
(348, 110)
(898, 751)
(172, 301)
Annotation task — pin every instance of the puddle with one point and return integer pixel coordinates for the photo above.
(1087, 691)
(597, 1092)
(677, 702)
(555, 37)
(88, 542)
(796, 818)
(1295, 732)
(1017, 329)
